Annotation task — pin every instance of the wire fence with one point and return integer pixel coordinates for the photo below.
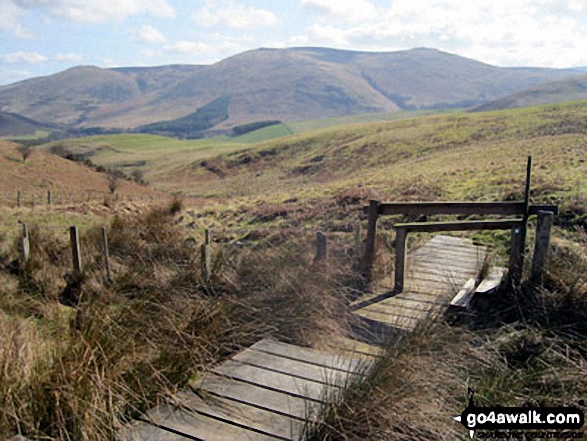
(22, 198)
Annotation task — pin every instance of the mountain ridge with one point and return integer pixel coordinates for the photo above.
(289, 84)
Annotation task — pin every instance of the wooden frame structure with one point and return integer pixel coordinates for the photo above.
(522, 211)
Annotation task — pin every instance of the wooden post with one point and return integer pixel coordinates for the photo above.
(516, 255)
(49, 197)
(321, 247)
(25, 245)
(541, 246)
(206, 258)
(18, 196)
(75, 250)
(357, 250)
(89, 195)
(106, 254)
(369, 255)
(400, 258)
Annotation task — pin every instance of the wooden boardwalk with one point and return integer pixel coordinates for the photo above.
(274, 390)
(435, 273)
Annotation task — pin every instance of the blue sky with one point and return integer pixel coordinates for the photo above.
(40, 37)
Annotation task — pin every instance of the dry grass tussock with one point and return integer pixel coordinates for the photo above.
(80, 373)
(529, 350)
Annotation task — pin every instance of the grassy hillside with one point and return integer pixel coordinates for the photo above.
(463, 156)
(43, 171)
(572, 89)
(267, 84)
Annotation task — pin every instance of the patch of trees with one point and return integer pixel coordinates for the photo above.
(251, 127)
(191, 126)
(114, 174)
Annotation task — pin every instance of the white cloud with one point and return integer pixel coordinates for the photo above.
(109, 62)
(9, 19)
(233, 15)
(189, 48)
(148, 34)
(86, 11)
(503, 32)
(321, 35)
(24, 57)
(346, 10)
(76, 58)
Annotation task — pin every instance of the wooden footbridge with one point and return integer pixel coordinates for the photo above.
(274, 391)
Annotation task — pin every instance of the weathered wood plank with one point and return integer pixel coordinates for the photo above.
(142, 431)
(240, 414)
(258, 396)
(464, 208)
(345, 363)
(201, 427)
(430, 227)
(293, 367)
(492, 280)
(274, 380)
(355, 348)
(464, 296)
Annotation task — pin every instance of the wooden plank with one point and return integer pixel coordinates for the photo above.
(403, 323)
(463, 208)
(201, 427)
(142, 431)
(355, 348)
(274, 380)
(257, 396)
(458, 226)
(465, 295)
(294, 368)
(492, 280)
(264, 421)
(344, 363)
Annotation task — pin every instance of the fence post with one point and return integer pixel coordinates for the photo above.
(369, 254)
(516, 255)
(400, 258)
(18, 196)
(206, 257)
(49, 197)
(321, 247)
(106, 254)
(75, 250)
(541, 246)
(357, 250)
(25, 245)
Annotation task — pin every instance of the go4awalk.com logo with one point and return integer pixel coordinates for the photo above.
(513, 422)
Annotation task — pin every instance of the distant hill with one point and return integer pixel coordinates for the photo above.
(571, 89)
(269, 84)
(12, 124)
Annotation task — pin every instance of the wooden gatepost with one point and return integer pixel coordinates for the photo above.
(517, 213)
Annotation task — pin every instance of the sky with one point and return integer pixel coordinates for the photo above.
(41, 37)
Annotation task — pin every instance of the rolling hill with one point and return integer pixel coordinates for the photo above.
(43, 171)
(13, 125)
(571, 89)
(267, 84)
